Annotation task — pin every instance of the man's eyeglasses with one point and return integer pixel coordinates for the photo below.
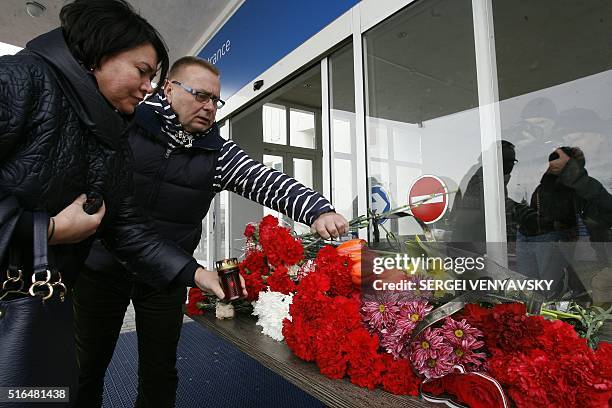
(202, 97)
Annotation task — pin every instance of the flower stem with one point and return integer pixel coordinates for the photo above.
(558, 315)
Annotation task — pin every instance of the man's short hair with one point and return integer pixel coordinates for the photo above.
(183, 62)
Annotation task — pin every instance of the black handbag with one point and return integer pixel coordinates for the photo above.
(36, 332)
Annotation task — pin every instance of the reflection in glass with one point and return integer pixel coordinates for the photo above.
(274, 124)
(274, 162)
(407, 146)
(220, 224)
(343, 192)
(302, 169)
(201, 251)
(303, 172)
(283, 125)
(342, 135)
(302, 128)
(378, 146)
(421, 107)
(554, 86)
(342, 131)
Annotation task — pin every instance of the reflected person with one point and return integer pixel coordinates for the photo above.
(467, 217)
(561, 204)
(535, 130)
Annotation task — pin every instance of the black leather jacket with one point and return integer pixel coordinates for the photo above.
(59, 138)
(174, 187)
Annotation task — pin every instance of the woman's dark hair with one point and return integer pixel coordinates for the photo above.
(95, 29)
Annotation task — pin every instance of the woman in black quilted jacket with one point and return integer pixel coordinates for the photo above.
(65, 103)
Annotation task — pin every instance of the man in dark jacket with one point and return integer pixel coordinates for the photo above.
(181, 162)
(566, 200)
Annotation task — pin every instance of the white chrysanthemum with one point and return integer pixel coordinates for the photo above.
(272, 308)
(224, 310)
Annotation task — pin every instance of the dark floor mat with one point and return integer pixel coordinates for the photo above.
(212, 373)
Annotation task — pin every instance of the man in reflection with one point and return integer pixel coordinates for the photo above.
(467, 218)
(536, 129)
(180, 162)
(585, 129)
(534, 136)
(566, 203)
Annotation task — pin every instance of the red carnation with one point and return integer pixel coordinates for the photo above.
(398, 377)
(253, 269)
(337, 268)
(299, 337)
(314, 283)
(330, 357)
(562, 371)
(562, 337)
(505, 326)
(365, 364)
(249, 231)
(280, 281)
(331, 362)
(280, 247)
(326, 254)
(603, 357)
(293, 249)
(268, 221)
(194, 297)
(255, 262)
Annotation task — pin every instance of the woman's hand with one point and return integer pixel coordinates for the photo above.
(208, 281)
(73, 224)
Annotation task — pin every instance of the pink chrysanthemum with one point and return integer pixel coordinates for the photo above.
(396, 342)
(380, 312)
(396, 339)
(457, 331)
(404, 325)
(430, 345)
(464, 353)
(414, 311)
(437, 366)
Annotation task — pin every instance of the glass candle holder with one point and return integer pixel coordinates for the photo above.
(229, 276)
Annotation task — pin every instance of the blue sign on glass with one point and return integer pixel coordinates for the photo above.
(261, 32)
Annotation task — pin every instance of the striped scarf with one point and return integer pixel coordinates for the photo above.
(171, 126)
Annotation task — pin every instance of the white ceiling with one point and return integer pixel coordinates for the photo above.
(185, 24)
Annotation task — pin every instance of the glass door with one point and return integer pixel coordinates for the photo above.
(283, 131)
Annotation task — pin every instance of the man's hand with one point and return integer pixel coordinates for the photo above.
(329, 225)
(208, 281)
(73, 224)
(556, 166)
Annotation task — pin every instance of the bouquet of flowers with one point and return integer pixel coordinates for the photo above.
(326, 327)
(273, 261)
(534, 360)
(273, 258)
(484, 355)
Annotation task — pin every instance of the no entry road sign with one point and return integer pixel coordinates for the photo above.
(432, 195)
